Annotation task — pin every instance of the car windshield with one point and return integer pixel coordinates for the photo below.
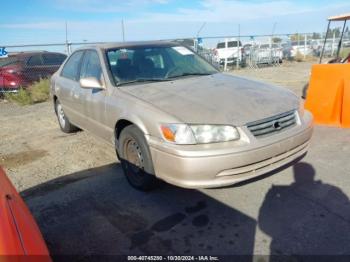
(155, 63)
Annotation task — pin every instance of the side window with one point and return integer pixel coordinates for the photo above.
(35, 60)
(91, 66)
(53, 59)
(70, 69)
(221, 45)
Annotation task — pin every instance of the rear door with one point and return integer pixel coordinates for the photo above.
(33, 68)
(94, 99)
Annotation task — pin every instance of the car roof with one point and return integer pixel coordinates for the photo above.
(31, 53)
(130, 44)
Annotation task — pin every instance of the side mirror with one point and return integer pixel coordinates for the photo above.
(90, 83)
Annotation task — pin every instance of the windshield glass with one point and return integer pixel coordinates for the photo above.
(159, 63)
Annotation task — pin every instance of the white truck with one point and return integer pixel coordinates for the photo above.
(229, 51)
(269, 53)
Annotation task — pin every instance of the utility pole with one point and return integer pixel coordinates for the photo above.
(201, 28)
(123, 32)
(239, 52)
(196, 40)
(271, 40)
(67, 46)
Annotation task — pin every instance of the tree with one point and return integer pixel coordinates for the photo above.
(334, 32)
(296, 37)
(276, 40)
(316, 35)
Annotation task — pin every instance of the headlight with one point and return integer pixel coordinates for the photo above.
(198, 134)
(178, 133)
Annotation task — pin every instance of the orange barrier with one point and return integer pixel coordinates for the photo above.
(345, 121)
(328, 96)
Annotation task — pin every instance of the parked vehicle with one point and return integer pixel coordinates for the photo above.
(230, 50)
(346, 43)
(22, 69)
(301, 48)
(19, 233)
(247, 48)
(330, 47)
(287, 50)
(172, 116)
(267, 54)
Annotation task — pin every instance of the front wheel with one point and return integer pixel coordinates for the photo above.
(304, 92)
(63, 120)
(136, 159)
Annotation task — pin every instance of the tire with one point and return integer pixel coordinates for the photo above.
(136, 160)
(63, 120)
(304, 92)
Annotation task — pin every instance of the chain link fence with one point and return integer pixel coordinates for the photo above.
(26, 64)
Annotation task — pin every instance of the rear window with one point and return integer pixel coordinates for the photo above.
(9, 61)
(53, 59)
(229, 44)
(234, 44)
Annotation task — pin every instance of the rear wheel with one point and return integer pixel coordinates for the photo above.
(136, 159)
(63, 121)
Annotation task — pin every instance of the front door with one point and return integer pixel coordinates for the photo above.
(94, 99)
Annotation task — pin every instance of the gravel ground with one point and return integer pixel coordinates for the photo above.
(83, 205)
(291, 75)
(34, 150)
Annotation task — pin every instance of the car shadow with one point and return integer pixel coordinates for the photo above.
(96, 212)
(307, 217)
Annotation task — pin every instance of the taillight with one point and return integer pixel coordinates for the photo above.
(11, 77)
(10, 70)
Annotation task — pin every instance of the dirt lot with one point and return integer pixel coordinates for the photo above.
(83, 205)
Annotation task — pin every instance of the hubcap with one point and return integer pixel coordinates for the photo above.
(134, 155)
(60, 114)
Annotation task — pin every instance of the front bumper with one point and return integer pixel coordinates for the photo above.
(223, 164)
(6, 90)
(232, 60)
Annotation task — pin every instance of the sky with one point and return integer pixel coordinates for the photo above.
(43, 21)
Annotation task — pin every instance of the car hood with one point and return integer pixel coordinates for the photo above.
(216, 99)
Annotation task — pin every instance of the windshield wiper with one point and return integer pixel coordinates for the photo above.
(142, 80)
(190, 74)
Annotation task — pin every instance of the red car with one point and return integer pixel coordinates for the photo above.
(22, 69)
(19, 233)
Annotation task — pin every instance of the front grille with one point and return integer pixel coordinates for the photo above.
(273, 124)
